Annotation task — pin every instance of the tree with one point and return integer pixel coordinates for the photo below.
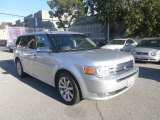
(143, 18)
(66, 11)
(110, 11)
(89, 7)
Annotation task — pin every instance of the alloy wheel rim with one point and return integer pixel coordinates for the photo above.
(19, 68)
(66, 89)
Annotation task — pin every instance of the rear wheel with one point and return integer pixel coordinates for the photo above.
(19, 68)
(68, 89)
(10, 50)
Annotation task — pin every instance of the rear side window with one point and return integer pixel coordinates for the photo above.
(21, 41)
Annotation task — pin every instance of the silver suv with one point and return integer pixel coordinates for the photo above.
(75, 65)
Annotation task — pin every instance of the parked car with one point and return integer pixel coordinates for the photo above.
(3, 42)
(121, 44)
(75, 65)
(11, 45)
(100, 42)
(147, 50)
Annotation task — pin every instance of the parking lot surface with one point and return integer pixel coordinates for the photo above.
(29, 99)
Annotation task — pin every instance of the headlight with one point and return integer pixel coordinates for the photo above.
(98, 71)
(102, 71)
(153, 53)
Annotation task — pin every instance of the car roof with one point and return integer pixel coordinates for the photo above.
(51, 32)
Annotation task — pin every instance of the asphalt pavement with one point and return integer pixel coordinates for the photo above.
(29, 99)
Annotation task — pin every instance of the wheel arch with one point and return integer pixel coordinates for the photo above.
(70, 73)
(16, 59)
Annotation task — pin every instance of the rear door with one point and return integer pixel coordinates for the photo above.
(27, 53)
(43, 62)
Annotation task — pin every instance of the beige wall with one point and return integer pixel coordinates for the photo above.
(3, 34)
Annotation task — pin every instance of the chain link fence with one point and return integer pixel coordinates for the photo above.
(95, 31)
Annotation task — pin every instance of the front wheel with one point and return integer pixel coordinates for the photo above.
(68, 89)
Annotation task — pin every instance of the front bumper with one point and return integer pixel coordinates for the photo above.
(102, 89)
(147, 58)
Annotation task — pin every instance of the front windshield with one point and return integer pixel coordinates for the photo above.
(149, 43)
(117, 42)
(73, 42)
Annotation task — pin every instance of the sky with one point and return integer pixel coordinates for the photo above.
(20, 7)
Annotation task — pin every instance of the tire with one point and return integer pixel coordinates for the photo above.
(19, 69)
(10, 50)
(68, 89)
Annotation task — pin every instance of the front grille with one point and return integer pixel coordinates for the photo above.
(121, 79)
(142, 53)
(123, 66)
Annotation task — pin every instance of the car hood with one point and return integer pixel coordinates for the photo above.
(146, 49)
(97, 57)
(113, 47)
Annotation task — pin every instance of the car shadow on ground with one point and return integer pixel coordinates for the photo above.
(5, 49)
(9, 68)
(149, 73)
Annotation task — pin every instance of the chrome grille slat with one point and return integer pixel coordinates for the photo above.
(142, 53)
(123, 66)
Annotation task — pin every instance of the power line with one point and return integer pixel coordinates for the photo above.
(11, 14)
(21, 9)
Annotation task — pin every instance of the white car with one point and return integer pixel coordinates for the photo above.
(147, 50)
(121, 44)
(11, 44)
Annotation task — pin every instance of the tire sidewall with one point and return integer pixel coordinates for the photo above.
(76, 97)
(22, 73)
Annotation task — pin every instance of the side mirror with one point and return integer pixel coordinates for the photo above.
(44, 50)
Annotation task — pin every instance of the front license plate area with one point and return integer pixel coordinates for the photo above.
(130, 81)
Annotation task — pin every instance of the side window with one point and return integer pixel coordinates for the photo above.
(42, 41)
(21, 41)
(129, 42)
(18, 41)
(31, 42)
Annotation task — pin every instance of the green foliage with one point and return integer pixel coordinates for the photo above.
(143, 19)
(66, 10)
(89, 7)
(110, 11)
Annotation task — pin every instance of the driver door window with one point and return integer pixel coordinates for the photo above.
(42, 41)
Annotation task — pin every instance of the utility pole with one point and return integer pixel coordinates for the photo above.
(108, 25)
(108, 30)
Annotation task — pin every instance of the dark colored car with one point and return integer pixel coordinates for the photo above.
(3, 42)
